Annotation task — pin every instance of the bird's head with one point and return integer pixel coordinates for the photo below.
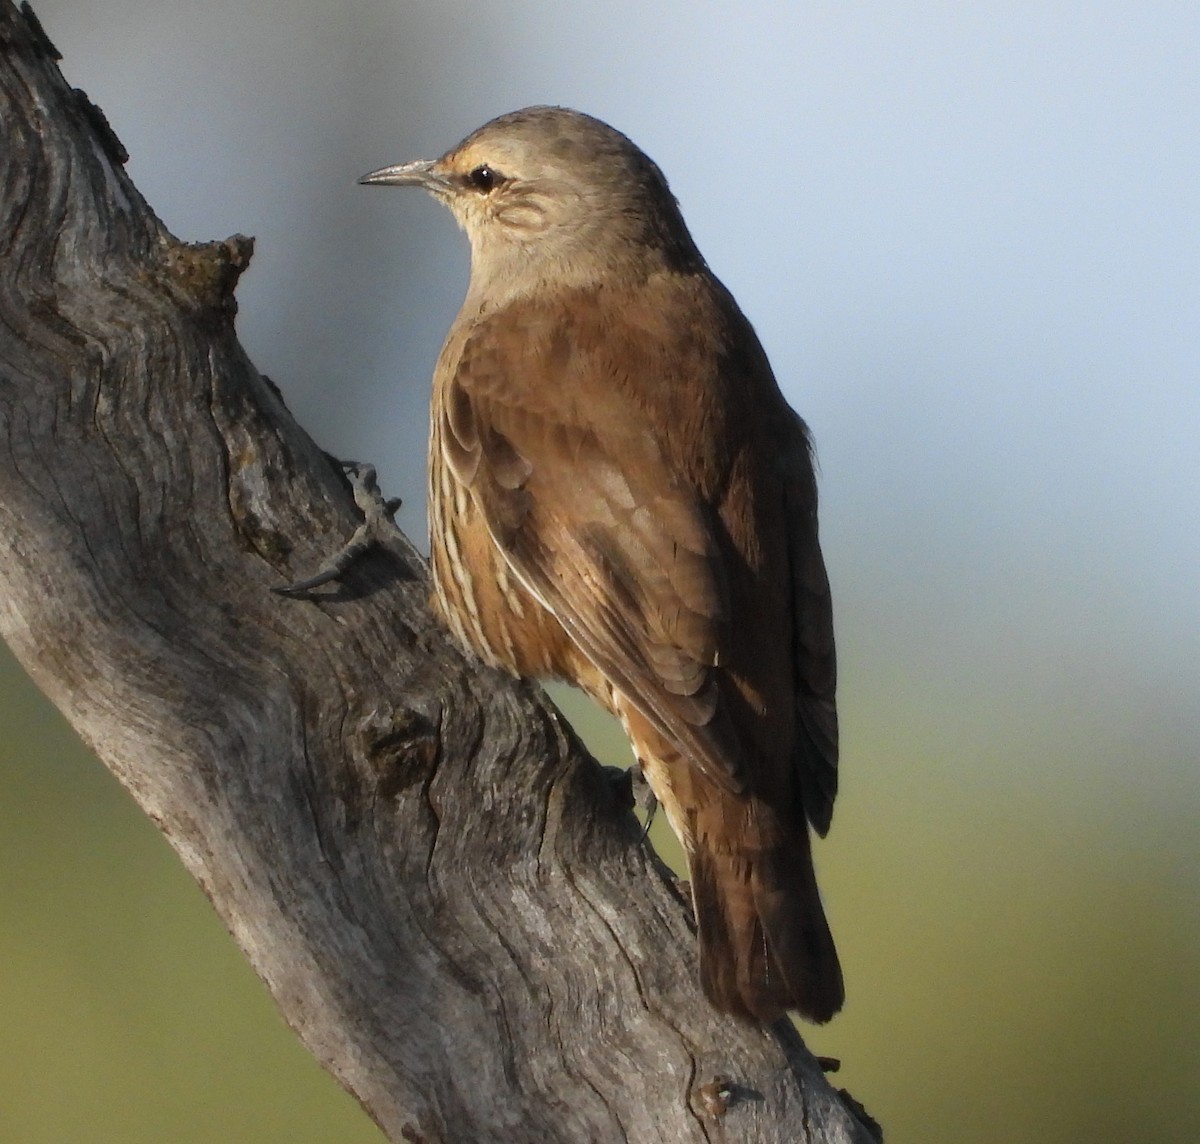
(550, 194)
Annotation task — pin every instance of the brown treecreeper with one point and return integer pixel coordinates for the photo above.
(621, 497)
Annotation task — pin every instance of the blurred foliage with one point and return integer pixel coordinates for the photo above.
(1014, 974)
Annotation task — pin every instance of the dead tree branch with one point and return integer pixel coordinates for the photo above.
(446, 898)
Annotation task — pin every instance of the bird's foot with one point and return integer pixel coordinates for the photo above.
(633, 791)
(644, 798)
(378, 526)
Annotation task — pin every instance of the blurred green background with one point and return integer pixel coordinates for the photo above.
(969, 238)
(1017, 972)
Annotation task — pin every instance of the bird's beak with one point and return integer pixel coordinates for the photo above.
(422, 173)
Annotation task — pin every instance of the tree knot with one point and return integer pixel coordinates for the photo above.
(400, 746)
(208, 272)
(715, 1097)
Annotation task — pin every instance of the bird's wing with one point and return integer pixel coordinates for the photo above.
(813, 656)
(580, 499)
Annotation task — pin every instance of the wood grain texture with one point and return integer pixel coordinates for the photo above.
(443, 893)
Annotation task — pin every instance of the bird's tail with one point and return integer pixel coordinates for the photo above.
(765, 946)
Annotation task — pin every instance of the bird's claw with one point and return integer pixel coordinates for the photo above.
(633, 791)
(378, 525)
(645, 798)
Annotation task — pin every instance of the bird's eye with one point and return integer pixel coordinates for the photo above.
(483, 179)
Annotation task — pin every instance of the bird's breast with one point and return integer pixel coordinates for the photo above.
(476, 591)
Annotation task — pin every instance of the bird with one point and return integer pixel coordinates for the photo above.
(621, 497)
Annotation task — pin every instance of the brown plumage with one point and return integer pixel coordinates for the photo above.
(621, 497)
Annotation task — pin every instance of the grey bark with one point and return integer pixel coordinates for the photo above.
(447, 899)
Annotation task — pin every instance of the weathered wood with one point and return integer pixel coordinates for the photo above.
(445, 896)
